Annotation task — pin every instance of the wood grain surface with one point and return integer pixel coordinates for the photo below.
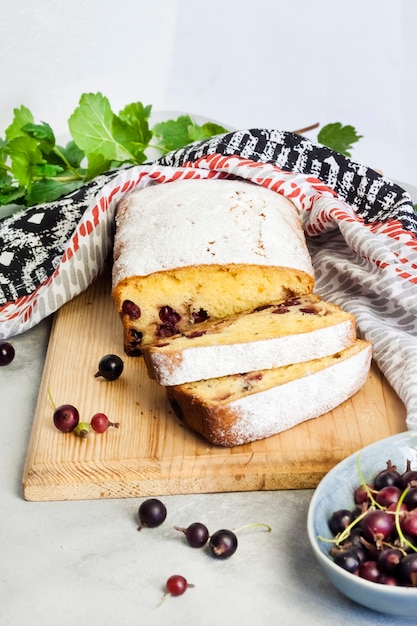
(152, 453)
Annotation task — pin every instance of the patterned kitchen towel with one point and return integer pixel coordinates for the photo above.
(361, 230)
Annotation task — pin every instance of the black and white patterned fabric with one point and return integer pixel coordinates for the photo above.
(361, 231)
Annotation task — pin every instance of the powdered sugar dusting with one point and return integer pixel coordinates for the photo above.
(198, 222)
(197, 363)
(272, 411)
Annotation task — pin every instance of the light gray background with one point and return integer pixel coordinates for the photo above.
(244, 63)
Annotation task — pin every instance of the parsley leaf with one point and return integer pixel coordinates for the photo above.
(34, 169)
(25, 156)
(339, 138)
(21, 117)
(48, 190)
(43, 133)
(175, 134)
(97, 130)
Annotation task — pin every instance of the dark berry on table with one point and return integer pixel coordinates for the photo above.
(197, 534)
(7, 353)
(152, 513)
(223, 543)
(131, 309)
(110, 367)
(66, 417)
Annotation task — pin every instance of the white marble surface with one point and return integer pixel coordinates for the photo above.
(79, 563)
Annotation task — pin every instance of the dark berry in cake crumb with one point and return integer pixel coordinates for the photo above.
(291, 301)
(169, 316)
(254, 376)
(199, 316)
(133, 348)
(262, 307)
(250, 379)
(308, 309)
(136, 334)
(166, 331)
(170, 319)
(281, 308)
(131, 309)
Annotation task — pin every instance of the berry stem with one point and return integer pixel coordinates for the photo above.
(403, 539)
(346, 532)
(252, 525)
(51, 398)
(374, 503)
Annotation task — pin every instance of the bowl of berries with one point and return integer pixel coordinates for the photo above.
(362, 525)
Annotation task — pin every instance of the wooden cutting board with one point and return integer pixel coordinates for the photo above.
(152, 453)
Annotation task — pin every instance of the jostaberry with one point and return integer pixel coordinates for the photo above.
(100, 423)
(223, 543)
(66, 417)
(197, 534)
(377, 539)
(7, 353)
(152, 513)
(110, 367)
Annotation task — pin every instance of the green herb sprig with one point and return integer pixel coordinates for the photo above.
(35, 169)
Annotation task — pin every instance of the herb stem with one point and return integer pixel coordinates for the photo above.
(77, 175)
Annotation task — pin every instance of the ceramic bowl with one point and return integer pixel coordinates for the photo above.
(335, 491)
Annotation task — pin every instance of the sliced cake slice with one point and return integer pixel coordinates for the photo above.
(239, 409)
(290, 331)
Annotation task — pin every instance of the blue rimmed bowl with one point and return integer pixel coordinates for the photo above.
(335, 491)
